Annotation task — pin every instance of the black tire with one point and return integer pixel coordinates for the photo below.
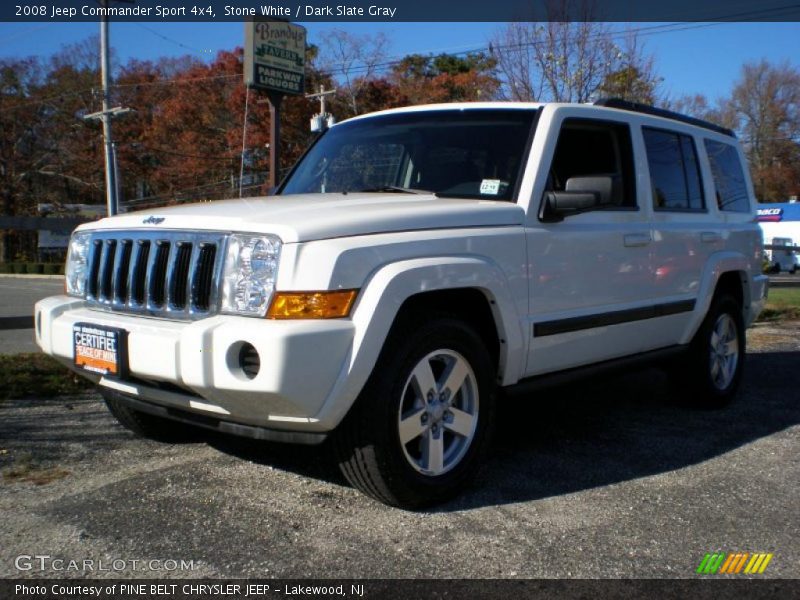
(146, 425)
(368, 443)
(698, 377)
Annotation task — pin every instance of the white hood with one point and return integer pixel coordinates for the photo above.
(306, 217)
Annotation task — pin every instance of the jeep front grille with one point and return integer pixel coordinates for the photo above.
(172, 274)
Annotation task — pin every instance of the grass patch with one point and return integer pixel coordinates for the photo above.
(782, 304)
(35, 374)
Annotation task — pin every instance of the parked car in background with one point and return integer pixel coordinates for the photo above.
(784, 259)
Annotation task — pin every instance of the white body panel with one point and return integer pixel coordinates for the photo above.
(391, 247)
(305, 217)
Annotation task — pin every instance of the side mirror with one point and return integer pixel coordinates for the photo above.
(581, 194)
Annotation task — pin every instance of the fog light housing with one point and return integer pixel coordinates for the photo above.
(249, 360)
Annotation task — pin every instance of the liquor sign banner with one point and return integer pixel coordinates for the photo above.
(275, 56)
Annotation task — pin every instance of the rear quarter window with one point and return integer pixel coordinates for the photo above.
(674, 172)
(729, 180)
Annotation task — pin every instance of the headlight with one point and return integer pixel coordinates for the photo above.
(77, 263)
(251, 268)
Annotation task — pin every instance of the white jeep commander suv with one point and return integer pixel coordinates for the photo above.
(414, 263)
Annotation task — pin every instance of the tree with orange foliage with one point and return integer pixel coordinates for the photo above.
(422, 79)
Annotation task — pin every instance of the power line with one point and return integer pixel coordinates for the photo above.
(658, 29)
(176, 81)
(35, 101)
(384, 66)
(148, 200)
(139, 145)
(165, 38)
(648, 30)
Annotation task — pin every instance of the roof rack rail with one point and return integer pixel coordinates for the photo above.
(661, 112)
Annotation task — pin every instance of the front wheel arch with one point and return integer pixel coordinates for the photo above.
(369, 442)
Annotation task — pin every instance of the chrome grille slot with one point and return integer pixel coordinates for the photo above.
(202, 276)
(139, 273)
(122, 272)
(107, 270)
(94, 268)
(169, 274)
(157, 273)
(179, 276)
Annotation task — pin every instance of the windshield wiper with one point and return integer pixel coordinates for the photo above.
(397, 190)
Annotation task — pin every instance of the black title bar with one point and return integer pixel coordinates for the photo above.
(399, 10)
(700, 588)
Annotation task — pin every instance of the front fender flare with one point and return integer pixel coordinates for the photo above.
(385, 292)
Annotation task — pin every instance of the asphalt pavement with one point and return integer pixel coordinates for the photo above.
(17, 297)
(610, 478)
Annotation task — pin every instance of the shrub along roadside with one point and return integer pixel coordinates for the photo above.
(21, 268)
(36, 374)
(782, 303)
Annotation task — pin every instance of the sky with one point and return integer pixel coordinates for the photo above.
(691, 58)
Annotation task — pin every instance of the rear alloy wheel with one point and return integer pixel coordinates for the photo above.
(710, 374)
(724, 352)
(418, 430)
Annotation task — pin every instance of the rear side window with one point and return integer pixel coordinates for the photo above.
(674, 172)
(729, 180)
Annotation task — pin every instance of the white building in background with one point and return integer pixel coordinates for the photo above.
(55, 241)
(781, 220)
(780, 223)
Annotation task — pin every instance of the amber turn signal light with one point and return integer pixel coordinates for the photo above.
(312, 305)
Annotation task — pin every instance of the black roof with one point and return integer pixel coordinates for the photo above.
(662, 112)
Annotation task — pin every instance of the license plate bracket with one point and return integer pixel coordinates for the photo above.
(100, 349)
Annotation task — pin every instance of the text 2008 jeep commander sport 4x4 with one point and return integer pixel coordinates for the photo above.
(414, 263)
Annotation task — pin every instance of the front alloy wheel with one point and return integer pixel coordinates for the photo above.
(417, 432)
(438, 412)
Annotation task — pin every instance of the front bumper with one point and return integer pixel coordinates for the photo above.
(193, 366)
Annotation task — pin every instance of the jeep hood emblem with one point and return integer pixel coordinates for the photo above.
(153, 220)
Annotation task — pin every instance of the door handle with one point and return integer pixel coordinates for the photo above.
(633, 240)
(709, 237)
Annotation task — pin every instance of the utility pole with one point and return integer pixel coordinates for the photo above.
(105, 115)
(323, 120)
(274, 99)
(274, 137)
(105, 67)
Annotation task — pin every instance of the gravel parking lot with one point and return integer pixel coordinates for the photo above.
(610, 478)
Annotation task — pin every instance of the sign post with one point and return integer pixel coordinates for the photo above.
(274, 61)
(274, 137)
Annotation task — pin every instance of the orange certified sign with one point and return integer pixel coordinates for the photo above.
(98, 349)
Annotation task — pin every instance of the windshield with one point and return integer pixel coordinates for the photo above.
(474, 153)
